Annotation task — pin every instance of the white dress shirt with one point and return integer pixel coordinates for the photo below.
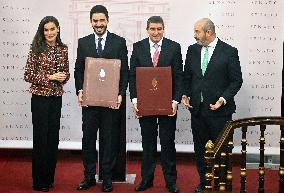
(152, 49)
(104, 36)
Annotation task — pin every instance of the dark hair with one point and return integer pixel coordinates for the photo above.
(99, 9)
(155, 19)
(39, 44)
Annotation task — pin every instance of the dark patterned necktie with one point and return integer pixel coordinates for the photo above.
(100, 48)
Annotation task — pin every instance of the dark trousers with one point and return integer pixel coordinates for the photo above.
(149, 131)
(46, 112)
(205, 128)
(108, 120)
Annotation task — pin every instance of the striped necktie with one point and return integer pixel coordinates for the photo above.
(156, 55)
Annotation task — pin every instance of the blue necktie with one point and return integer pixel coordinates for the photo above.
(100, 48)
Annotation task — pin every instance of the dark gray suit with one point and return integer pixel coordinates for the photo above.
(170, 55)
(223, 78)
(108, 120)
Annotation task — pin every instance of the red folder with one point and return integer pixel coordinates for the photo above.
(154, 90)
(101, 82)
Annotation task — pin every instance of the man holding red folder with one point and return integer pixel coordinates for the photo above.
(157, 51)
(100, 44)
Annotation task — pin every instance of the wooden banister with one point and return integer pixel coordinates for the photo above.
(218, 156)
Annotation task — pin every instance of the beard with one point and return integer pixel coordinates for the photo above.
(99, 30)
(201, 41)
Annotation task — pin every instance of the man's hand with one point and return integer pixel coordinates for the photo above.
(217, 105)
(59, 76)
(80, 98)
(174, 108)
(118, 102)
(135, 111)
(185, 101)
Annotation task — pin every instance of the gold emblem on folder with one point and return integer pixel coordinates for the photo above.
(102, 75)
(154, 84)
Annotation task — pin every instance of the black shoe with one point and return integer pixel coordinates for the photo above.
(50, 183)
(42, 189)
(199, 188)
(86, 184)
(172, 188)
(144, 185)
(107, 186)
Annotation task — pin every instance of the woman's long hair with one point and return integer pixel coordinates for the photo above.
(39, 44)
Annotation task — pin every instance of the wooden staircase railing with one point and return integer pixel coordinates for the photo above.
(218, 156)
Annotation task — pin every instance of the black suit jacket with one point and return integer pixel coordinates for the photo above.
(223, 78)
(115, 48)
(170, 55)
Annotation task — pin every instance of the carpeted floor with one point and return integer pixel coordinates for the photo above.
(15, 175)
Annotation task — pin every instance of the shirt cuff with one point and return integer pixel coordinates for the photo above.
(224, 100)
(175, 102)
(134, 100)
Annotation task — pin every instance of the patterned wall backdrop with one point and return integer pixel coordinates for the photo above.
(255, 27)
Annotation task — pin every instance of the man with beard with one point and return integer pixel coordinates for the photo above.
(100, 44)
(212, 77)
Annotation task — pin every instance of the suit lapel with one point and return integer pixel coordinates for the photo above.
(198, 59)
(146, 47)
(214, 57)
(163, 53)
(92, 46)
(107, 47)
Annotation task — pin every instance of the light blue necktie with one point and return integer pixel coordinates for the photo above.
(205, 61)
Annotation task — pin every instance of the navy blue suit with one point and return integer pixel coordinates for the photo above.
(103, 118)
(170, 55)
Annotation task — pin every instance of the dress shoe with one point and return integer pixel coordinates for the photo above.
(107, 186)
(144, 185)
(172, 188)
(50, 183)
(199, 188)
(42, 189)
(86, 184)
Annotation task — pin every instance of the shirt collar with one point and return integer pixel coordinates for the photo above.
(52, 47)
(152, 43)
(104, 36)
(214, 43)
